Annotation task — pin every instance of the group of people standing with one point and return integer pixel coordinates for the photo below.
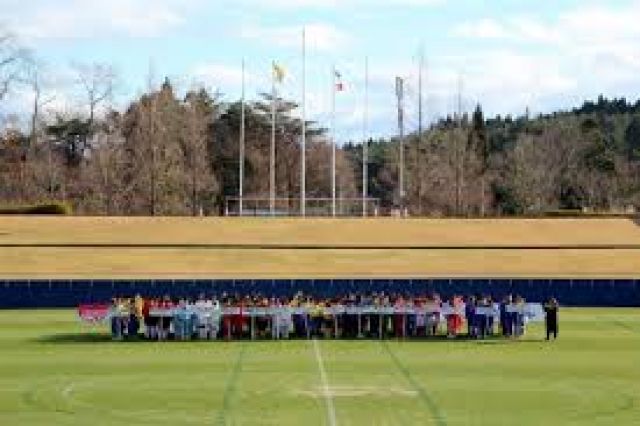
(367, 315)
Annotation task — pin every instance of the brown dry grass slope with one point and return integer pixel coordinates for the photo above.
(328, 261)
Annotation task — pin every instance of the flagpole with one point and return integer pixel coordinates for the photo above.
(400, 98)
(242, 136)
(365, 142)
(418, 174)
(333, 141)
(420, 69)
(303, 160)
(272, 158)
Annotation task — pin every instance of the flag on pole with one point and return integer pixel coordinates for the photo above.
(339, 85)
(279, 73)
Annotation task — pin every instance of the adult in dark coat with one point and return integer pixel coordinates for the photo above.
(551, 318)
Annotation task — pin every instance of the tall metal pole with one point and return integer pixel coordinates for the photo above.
(459, 97)
(418, 167)
(241, 155)
(420, 68)
(333, 142)
(365, 142)
(272, 159)
(400, 96)
(459, 153)
(303, 160)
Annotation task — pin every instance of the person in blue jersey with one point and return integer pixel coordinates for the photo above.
(518, 317)
(490, 317)
(180, 320)
(481, 317)
(116, 328)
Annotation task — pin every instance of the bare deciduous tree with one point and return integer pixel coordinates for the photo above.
(198, 116)
(97, 82)
(33, 79)
(12, 62)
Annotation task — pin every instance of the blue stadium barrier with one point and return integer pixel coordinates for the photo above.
(69, 293)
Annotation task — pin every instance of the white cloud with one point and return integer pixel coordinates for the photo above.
(343, 4)
(219, 75)
(507, 62)
(583, 52)
(227, 79)
(509, 81)
(485, 28)
(585, 25)
(82, 19)
(320, 36)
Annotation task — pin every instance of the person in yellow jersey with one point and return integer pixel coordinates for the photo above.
(138, 302)
(328, 324)
(123, 313)
(133, 325)
(316, 318)
(308, 305)
(136, 306)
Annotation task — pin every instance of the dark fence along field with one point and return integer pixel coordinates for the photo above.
(70, 293)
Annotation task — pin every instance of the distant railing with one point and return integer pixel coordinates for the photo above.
(288, 207)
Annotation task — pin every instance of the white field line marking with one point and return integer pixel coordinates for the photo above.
(331, 412)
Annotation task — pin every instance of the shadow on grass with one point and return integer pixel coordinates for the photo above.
(508, 342)
(626, 326)
(97, 338)
(461, 339)
(66, 338)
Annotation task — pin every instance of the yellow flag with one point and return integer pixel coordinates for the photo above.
(279, 72)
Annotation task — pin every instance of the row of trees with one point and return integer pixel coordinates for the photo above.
(469, 166)
(167, 154)
(164, 155)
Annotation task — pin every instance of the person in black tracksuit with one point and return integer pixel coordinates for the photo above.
(470, 314)
(551, 318)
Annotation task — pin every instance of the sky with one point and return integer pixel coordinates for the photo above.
(506, 55)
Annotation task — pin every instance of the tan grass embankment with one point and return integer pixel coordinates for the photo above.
(193, 263)
(402, 261)
(385, 231)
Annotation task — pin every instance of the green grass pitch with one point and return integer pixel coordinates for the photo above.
(55, 371)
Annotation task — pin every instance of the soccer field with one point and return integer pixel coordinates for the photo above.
(54, 370)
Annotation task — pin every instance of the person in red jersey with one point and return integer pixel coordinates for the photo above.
(165, 321)
(146, 307)
(399, 318)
